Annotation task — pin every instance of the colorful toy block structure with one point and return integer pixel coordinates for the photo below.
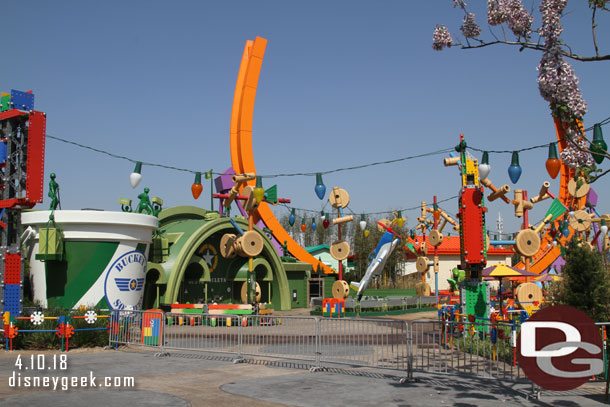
(474, 291)
(227, 312)
(22, 141)
(197, 309)
(230, 309)
(333, 307)
(152, 327)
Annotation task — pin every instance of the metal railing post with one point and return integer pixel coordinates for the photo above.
(318, 340)
(240, 338)
(410, 352)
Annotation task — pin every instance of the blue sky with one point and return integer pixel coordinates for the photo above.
(343, 83)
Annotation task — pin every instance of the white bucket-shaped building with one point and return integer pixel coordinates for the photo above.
(103, 262)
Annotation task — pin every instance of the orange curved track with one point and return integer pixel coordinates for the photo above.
(242, 157)
(548, 254)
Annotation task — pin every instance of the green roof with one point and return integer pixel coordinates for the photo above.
(311, 249)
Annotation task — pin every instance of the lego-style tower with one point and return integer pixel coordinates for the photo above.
(22, 143)
(473, 236)
(471, 215)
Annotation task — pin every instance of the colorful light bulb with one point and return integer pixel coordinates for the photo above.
(314, 225)
(553, 231)
(362, 222)
(197, 188)
(400, 221)
(603, 228)
(326, 222)
(136, 175)
(292, 217)
(303, 225)
(553, 164)
(514, 171)
(320, 188)
(598, 146)
(366, 232)
(484, 167)
(259, 191)
(565, 229)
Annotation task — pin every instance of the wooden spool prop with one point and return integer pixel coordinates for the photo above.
(422, 264)
(250, 244)
(580, 221)
(340, 289)
(256, 294)
(527, 293)
(251, 204)
(227, 245)
(575, 190)
(527, 242)
(340, 249)
(435, 238)
(339, 198)
(246, 243)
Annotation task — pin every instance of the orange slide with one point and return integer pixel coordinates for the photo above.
(242, 157)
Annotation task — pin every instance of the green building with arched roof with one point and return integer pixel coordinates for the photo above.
(185, 264)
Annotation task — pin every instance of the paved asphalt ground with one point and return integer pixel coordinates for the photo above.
(213, 380)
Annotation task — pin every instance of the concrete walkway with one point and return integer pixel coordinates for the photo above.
(213, 380)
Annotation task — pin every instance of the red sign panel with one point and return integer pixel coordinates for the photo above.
(35, 165)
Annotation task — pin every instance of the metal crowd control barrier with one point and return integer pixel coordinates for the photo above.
(362, 342)
(280, 337)
(203, 332)
(476, 348)
(140, 328)
(378, 343)
(473, 348)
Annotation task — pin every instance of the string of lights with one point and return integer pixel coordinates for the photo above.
(132, 160)
(509, 151)
(121, 157)
(602, 123)
(356, 167)
(306, 174)
(417, 207)
(514, 169)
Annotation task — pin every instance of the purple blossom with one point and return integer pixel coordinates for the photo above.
(519, 19)
(441, 38)
(573, 156)
(551, 14)
(470, 29)
(512, 12)
(556, 79)
(496, 14)
(558, 84)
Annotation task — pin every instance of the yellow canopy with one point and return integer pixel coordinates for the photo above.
(503, 270)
